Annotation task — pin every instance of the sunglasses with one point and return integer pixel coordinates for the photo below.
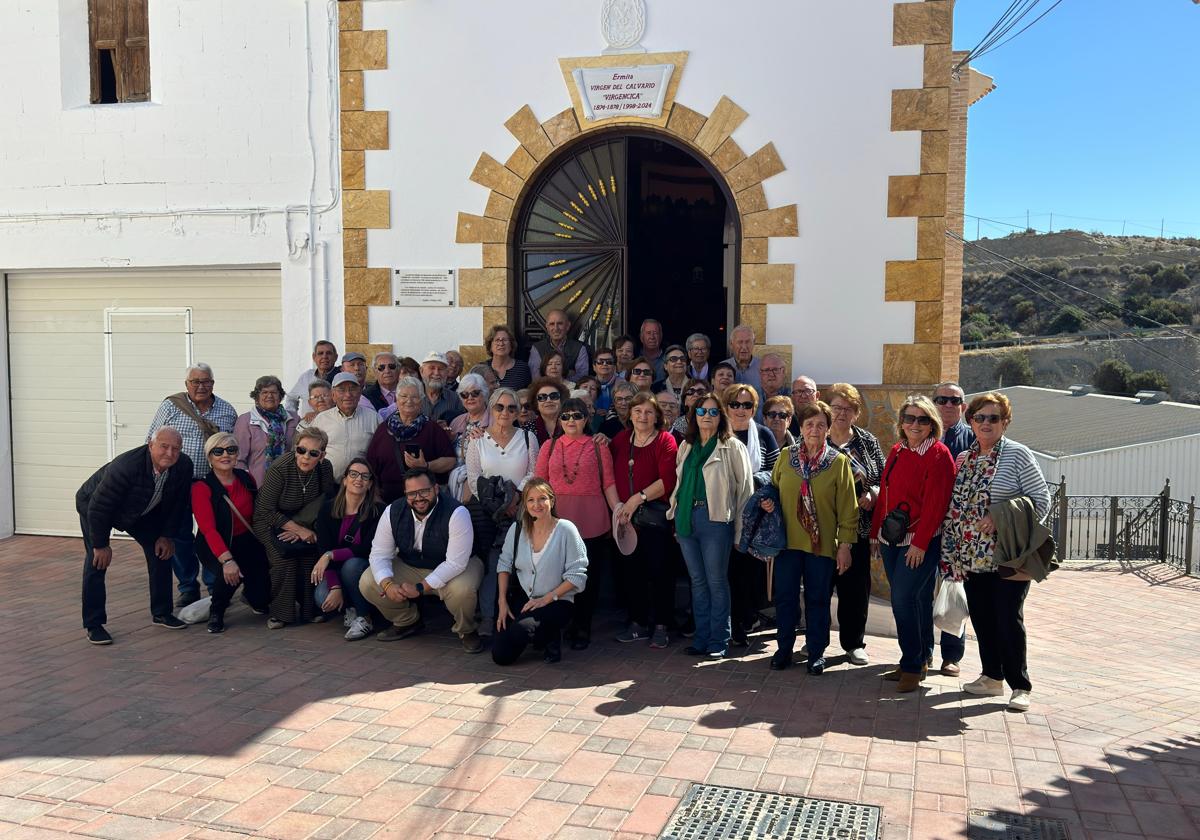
(552, 396)
(358, 476)
(708, 412)
(911, 419)
(948, 400)
(606, 361)
(695, 392)
(507, 408)
(571, 415)
(642, 372)
(470, 395)
(986, 418)
(748, 406)
(386, 366)
(311, 453)
(777, 415)
(218, 451)
(675, 359)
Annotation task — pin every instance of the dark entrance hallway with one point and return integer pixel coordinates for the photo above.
(622, 228)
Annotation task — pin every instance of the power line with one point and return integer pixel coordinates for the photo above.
(998, 35)
(1031, 23)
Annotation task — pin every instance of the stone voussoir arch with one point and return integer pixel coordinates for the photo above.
(707, 137)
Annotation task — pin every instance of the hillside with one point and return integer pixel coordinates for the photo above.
(1148, 279)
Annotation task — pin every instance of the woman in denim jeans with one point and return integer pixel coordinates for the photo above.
(345, 528)
(918, 477)
(712, 483)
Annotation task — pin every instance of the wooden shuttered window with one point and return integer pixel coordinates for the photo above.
(119, 47)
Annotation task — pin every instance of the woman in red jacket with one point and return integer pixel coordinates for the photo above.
(917, 481)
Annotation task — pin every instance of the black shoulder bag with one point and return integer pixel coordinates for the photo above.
(894, 527)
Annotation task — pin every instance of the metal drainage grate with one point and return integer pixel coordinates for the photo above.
(712, 812)
(997, 825)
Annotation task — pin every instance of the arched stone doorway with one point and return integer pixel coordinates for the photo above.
(619, 226)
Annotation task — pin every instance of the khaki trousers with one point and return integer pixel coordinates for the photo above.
(460, 595)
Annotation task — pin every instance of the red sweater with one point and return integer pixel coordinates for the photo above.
(925, 482)
(202, 509)
(650, 463)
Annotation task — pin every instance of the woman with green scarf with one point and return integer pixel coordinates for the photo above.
(713, 483)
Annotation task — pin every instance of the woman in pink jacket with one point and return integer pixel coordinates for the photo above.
(266, 431)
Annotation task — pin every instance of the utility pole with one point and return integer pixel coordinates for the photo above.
(1122, 227)
(1162, 228)
(1026, 220)
(1052, 223)
(977, 230)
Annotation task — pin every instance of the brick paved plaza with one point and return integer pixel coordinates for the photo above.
(297, 733)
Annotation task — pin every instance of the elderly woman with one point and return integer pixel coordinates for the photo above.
(777, 416)
(820, 514)
(712, 484)
(641, 374)
(580, 472)
(644, 457)
(554, 367)
(474, 391)
(223, 504)
(675, 362)
(284, 513)
(618, 416)
(694, 391)
(266, 431)
(320, 398)
(669, 403)
(866, 459)
(917, 479)
(406, 440)
(345, 529)
(994, 470)
(549, 560)
(723, 375)
(624, 348)
(509, 452)
(547, 396)
(511, 372)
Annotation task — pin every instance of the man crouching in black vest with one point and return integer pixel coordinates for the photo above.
(426, 550)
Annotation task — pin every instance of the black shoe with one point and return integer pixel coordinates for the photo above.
(781, 660)
(98, 636)
(186, 598)
(395, 634)
(816, 667)
(739, 640)
(169, 621)
(253, 609)
(581, 642)
(692, 650)
(216, 623)
(553, 653)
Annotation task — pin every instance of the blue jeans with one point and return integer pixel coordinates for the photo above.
(912, 602)
(186, 565)
(954, 647)
(706, 553)
(791, 567)
(349, 573)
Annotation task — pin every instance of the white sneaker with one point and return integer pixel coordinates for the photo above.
(359, 629)
(1019, 702)
(348, 617)
(985, 687)
(858, 656)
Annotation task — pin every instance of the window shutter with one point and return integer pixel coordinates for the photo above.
(105, 18)
(135, 61)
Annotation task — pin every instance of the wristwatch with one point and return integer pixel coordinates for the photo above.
(554, 596)
(642, 493)
(420, 589)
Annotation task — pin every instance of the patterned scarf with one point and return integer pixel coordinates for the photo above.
(400, 430)
(276, 432)
(809, 467)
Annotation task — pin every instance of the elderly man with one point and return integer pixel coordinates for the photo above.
(773, 373)
(951, 405)
(454, 369)
(423, 547)
(804, 392)
(382, 392)
(197, 414)
(356, 363)
(437, 403)
(745, 365)
(698, 348)
(605, 366)
(651, 336)
(143, 492)
(323, 370)
(558, 324)
(348, 424)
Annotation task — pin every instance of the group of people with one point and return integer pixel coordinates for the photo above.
(516, 492)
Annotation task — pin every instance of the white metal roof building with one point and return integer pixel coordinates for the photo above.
(1108, 445)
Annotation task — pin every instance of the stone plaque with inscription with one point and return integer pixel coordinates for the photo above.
(424, 286)
(637, 91)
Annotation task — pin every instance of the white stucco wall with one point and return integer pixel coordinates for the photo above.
(816, 79)
(199, 176)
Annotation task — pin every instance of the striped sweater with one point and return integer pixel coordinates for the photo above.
(1017, 474)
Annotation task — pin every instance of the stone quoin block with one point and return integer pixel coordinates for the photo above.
(757, 168)
(778, 221)
(904, 363)
(922, 23)
(937, 64)
(935, 152)
(367, 209)
(754, 315)
(768, 283)
(521, 162)
(916, 195)
(931, 238)
(529, 133)
(354, 248)
(685, 122)
(354, 170)
(483, 286)
(920, 108)
(356, 325)
(364, 130)
(350, 96)
(927, 322)
(473, 354)
(728, 155)
(350, 14)
(498, 206)
(754, 250)
(494, 316)
(723, 121)
(751, 200)
(913, 280)
(495, 255)
(562, 127)
(478, 229)
(363, 50)
(368, 286)
(492, 174)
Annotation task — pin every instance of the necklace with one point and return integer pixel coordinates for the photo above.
(634, 445)
(304, 482)
(570, 477)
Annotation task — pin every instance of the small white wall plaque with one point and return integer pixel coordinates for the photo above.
(637, 91)
(424, 286)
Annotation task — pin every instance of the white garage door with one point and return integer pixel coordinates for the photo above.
(64, 366)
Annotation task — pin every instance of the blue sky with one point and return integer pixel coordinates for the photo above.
(1096, 114)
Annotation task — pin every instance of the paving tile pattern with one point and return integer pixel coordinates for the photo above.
(299, 734)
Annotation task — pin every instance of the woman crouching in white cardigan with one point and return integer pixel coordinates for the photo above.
(549, 559)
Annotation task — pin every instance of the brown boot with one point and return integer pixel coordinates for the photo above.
(893, 675)
(908, 682)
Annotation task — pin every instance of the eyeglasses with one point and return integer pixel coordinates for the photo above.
(642, 372)
(311, 453)
(273, 392)
(940, 400)
(986, 418)
(841, 409)
(358, 476)
(201, 383)
(571, 415)
(218, 451)
(771, 370)
(672, 360)
(507, 408)
(777, 415)
(423, 493)
(708, 412)
(552, 396)
(695, 392)
(745, 406)
(470, 395)
(803, 392)
(913, 419)
(606, 362)
(386, 366)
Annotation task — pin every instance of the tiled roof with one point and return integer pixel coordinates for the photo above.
(1057, 423)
